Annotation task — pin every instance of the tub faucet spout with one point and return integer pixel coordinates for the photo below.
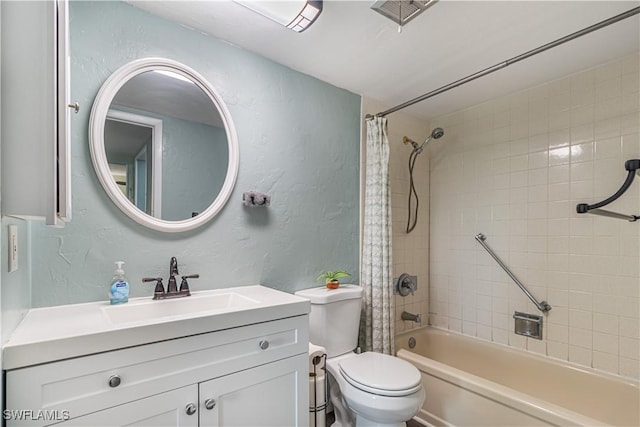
(412, 317)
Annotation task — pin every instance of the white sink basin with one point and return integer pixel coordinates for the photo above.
(149, 310)
(47, 334)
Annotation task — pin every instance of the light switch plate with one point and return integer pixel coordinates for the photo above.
(13, 248)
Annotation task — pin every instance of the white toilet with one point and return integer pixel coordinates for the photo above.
(367, 389)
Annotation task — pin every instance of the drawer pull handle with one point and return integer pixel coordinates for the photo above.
(264, 344)
(114, 381)
(210, 404)
(190, 409)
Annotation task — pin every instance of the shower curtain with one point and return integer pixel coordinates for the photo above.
(377, 328)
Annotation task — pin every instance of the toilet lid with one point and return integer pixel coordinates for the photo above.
(381, 374)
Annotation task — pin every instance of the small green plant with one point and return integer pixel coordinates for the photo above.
(332, 277)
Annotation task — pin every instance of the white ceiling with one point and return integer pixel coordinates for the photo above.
(168, 96)
(355, 48)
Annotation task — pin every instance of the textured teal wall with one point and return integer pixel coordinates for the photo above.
(299, 142)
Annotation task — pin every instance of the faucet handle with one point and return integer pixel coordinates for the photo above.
(184, 286)
(159, 290)
(405, 285)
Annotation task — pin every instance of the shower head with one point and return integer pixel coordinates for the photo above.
(436, 133)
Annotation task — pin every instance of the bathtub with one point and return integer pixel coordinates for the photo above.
(473, 382)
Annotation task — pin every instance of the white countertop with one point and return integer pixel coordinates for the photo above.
(61, 332)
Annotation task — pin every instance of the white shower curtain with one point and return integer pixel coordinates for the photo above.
(377, 328)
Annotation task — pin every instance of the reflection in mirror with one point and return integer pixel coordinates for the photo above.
(170, 138)
(133, 146)
(119, 173)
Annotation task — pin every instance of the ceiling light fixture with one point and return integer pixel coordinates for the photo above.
(297, 15)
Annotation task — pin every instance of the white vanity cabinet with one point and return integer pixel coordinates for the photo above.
(35, 116)
(248, 375)
(164, 409)
(262, 396)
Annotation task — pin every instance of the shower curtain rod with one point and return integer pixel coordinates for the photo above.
(629, 13)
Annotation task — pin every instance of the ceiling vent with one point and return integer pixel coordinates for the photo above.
(401, 11)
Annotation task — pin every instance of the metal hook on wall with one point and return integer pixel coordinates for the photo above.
(75, 106)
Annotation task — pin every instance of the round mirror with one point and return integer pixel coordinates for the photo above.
(163, 144)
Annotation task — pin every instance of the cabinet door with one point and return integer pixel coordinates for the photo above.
(173, 408)
(35, 117)
(274, 394)
(62, 201)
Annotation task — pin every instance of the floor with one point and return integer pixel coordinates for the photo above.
(411, 423)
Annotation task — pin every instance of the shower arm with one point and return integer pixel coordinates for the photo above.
(542, 306)
(624, 15)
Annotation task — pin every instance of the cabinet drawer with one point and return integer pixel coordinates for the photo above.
(82, 385)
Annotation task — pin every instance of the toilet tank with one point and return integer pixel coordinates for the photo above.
(334, 319)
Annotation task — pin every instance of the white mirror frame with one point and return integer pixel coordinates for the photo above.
(99, 157)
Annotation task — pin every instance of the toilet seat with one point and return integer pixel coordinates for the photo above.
(381, 374)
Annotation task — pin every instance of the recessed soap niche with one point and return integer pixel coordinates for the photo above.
(529, 325)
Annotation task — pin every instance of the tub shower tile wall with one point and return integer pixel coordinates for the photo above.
(410, 251)
(514, 168)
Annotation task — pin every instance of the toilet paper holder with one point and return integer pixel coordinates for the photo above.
(318, 385)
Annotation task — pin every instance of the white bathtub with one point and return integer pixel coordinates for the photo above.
(473, 382)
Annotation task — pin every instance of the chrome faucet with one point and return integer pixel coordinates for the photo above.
(412, 317)
(172, 286)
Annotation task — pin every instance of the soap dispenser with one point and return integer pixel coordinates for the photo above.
(119, 293)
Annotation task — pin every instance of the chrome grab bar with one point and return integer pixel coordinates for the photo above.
(616, 215)
(542, 306)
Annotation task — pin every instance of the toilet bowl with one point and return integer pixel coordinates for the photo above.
(366, 389)
(380, 390)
